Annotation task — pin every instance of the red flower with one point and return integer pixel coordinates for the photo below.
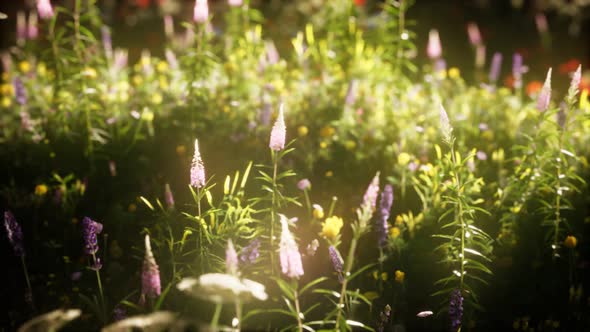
(569, 67)
(533, 88)
(359, 3)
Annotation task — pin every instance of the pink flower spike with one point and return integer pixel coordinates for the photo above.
(279, 132)
(150, 276)
(201, 11)
(197, 168)
(474, 34)
(434, 49)
(44, 8)
(235, 3)
(545, 95)
(289, 255)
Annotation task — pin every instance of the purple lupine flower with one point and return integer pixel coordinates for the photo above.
(231, 258)
(545, 95)
(169, 26)
(303, 184)
(474, 34)
(495, 67)
(168, 196)
(370, 197)
(235, 3)
(107, 41)
(150, 275)
(19, 91)
(96, 265)
(44, 8)
(201, 11)
(21, 28)
(120, 57)
(250, 253)
(351, 93)
(279, 132)
(90, 230)
(575, 84)
(32, 27)
(517, 70)
(15, 234)
(456, 309)
(434, 48)
(289, 255)
(445, 124)
(197, 168)
(440, 65)
(336, 262)
(385, 204)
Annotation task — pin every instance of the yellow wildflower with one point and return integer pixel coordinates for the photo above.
(331, 228)
(318, 211)
(394, 232)
(350, 145)
(7, 89)
(399, 220)
(41, 190)
(89, 72)
(403, 159)
(323, 145)
(162, 66)
(584, 104)
(329, 174)
(41, 69)
(302, 131)
(399, 276)
(384, 276)
(327, 131)
(157, 98)
(137, 79)
(570, 242)
(454, 73)
(24, 66)
(163, 81)
(6, 102)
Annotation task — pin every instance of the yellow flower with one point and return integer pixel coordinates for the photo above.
(162, 66)
(399, 220)
(384, 276)
(394, 232)
(41, 69)
(329, 174)
(7, 89)
(24, 66)
(157, 98)
(331, 228)
(403, 159)
(318, 211)
(327, 131)
(323, 145)
(6, 102)
(399, 276)
(350, 145)
(584, 104)
(163, 81)
(570, 242)
(89, 72)
(41, 190)
(454, 73)
(137, 80)
(302, 131)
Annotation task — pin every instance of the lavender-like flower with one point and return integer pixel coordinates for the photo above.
(19, 91)
(201, 11)
(90, 231)
(235, 3)
(171, 58)
(44, 8)
(351, 93)
(289, 255)
(107, 41)
(120, 59)
(541, 23)
(384, 209)
(150, 276)
(231, 258)
(336, 262)
(574, 85)
(32, 28)
(440, 65)
(456, 309)
(119, 313)
(250, 253)
(445, 124)
(370, 197)
(168, 196)
(15, 234)
(495, 67)
(271, 53)
(517, 70)
(434, 48)
(303, 184)
(474, 34)
(545, 95)
(279, 132)
(197, 168)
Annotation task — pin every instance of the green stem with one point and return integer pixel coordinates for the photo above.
(22, 258)
(347, 269)
(307, 202)
(332, 206)
(273, 210)
(459, 215)
(299, 322)
(201, 229)
(100, 289)
(216, 315)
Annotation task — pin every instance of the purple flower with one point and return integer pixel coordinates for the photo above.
(19, 91)
(197, 168)
(434, 48)
(44, 8)
(279, 132)
(32, 28)
(15, 234)
(201, 11)
(481, 155)
(97, 265)
(75, 276)
(440, 65)
(474, 34)
(303, 184)
(370, 197)
(171, 58)
(120, 59)
(89, 232)
(119, 313)
(574, 85)
(336, 262)
(351, 93)
(289, 255)
(250, 254)
(231, 258)
(150, 276)
(545, 95)
(384, 209)
(495, 67)
(541, 23)
(517, 70)
(456, 309)
(168, 196)
(235, 3)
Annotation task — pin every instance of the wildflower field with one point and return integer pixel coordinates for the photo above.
(321, 180)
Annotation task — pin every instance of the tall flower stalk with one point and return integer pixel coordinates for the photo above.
(90, 231)
(15, 237)
(277, 143)
(198, 180)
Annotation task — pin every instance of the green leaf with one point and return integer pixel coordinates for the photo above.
(286, 288)
(311, 284)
